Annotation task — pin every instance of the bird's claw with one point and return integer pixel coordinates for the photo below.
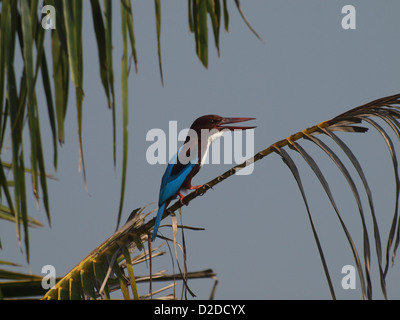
(181, 196)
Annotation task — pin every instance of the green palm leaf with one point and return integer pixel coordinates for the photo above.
(19, 20)
(110, 267)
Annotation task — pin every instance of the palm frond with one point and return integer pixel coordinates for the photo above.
(387, 109)
(291, 165)
(94, 271)
(239, 7)
(18, 103)
(101, 271)
(110, 267)
(198, 11)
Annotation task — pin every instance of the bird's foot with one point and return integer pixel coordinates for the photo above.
(197, 188)
(181, 196)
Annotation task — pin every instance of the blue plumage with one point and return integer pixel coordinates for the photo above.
(178, 175)
(171, 183)
(158, 220)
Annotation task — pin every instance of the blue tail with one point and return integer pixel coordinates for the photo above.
(158, 220)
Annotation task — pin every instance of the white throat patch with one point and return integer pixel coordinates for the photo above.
(212, 136)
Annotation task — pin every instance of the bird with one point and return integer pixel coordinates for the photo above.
(189, 159)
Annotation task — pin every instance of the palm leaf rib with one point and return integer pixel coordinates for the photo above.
(157, 4)
(290, 163)
(397, 184)
(367, 251)
(310, 161)
(351, 183)
(239, 7)
(342, 123)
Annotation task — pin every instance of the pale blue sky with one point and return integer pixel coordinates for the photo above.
(257, 236)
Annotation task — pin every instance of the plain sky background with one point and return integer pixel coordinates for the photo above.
(257, 237)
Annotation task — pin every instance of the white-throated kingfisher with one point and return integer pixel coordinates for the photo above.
(190, 158)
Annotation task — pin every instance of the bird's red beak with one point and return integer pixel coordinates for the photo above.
(224, 121)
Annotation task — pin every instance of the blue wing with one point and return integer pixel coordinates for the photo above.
(173, 178)
(171, 183)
